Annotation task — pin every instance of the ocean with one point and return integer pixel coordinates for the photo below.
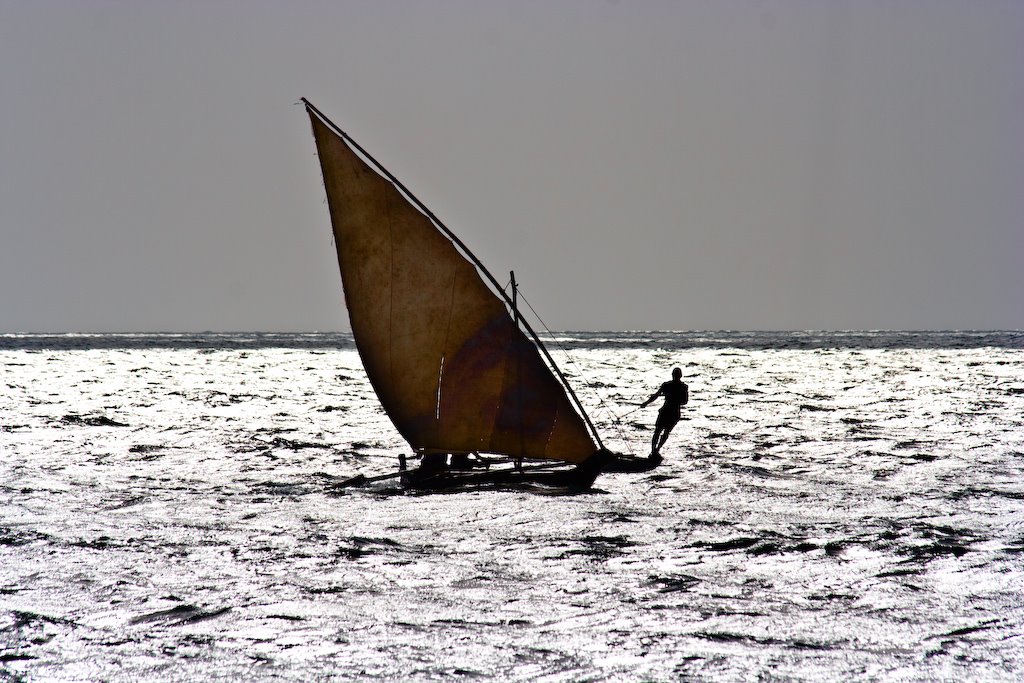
(833, 506)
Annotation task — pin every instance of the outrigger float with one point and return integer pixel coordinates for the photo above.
(462, 375)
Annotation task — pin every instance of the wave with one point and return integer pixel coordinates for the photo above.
(648, 340)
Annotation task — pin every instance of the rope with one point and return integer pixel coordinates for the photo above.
(628, 412)
(616, 420)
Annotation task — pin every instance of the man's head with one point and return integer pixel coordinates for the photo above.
(677, 373)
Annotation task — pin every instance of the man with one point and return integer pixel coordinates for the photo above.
(677, 395)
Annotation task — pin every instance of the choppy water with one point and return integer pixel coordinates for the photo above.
(835, 507)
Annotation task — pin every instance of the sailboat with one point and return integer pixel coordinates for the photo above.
(462, 375)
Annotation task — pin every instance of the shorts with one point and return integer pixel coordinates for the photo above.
(667, 419)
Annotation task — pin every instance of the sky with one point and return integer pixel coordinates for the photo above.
(774, 165)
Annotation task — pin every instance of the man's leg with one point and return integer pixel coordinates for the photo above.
(654, 439)
(664, 437)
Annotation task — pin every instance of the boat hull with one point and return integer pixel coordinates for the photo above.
(631, 463)
(578, 478)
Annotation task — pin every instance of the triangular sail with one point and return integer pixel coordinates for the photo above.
(450, 366)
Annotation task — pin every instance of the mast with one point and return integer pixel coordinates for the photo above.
(519, 379)
(515, 308)
(496, 286)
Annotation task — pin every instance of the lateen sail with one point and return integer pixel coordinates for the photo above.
(450, 366)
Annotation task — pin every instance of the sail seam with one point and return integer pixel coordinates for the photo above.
(444, 347)
(440, 376)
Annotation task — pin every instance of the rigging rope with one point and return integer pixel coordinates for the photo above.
(616, 419)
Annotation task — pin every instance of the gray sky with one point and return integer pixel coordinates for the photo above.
(641, 165)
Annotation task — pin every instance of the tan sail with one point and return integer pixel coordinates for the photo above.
(450, 366)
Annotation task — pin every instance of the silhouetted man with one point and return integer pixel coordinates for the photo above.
(677, 395)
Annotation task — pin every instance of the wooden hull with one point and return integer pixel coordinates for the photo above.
(578, 478)
(631, 463)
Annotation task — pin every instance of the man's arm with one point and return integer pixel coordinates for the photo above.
(655, 395)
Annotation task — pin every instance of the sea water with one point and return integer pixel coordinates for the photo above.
(831, 507)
